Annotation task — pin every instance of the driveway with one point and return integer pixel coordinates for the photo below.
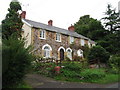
(39, 81)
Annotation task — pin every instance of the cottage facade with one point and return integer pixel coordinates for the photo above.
(53, 42)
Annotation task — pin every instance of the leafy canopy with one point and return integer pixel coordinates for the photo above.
(90, 27)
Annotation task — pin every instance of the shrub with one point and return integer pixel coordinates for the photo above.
(92, 74)
(114, 63)
(16, 61)
(71, 70)
(44, 68)
(98, 54)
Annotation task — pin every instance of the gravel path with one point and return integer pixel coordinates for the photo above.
(39, 81)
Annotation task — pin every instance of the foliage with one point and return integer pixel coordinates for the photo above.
(12, 23)
(90, 28)
(114, 62)
(112, 19)
(16, 60)
(86, 50)
(98, 54)
(92, 74)
(44, 68)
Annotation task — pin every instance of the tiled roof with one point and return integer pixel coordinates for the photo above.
(54, 29)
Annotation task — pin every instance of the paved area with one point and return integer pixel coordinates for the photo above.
(39, 81)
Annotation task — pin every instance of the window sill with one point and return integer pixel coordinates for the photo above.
(57, 41)
(42, 38)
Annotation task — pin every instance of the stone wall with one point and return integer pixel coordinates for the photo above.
(50, 39)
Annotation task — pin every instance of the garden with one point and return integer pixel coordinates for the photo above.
(80, 71)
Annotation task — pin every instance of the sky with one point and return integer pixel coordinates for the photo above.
(62, 12)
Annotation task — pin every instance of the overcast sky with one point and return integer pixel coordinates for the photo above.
(62, 12)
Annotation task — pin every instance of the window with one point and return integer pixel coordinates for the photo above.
(80, 53)
(46, 52)
(71, 40)
(58, 37)
(42, 34)
(69, 53)
(82, 42)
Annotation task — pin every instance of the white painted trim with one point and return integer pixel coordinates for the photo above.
(47, 46)
(61, 48)
(69, 49)
(79, 52)
(27, 23)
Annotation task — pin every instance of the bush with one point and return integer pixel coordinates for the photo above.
(92, 74)
(114, 63)
(44, 68)
(71, 70)
(16, 61)
(98, 54)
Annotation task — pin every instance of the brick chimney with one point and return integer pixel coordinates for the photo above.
(50, 22)
(71, 28)
(23, 14)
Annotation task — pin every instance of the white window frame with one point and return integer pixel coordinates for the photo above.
(82, 41)
(58, 37)
(80, 53)
(69, 54)
(71, 39)
(42, 34)
(46, 54)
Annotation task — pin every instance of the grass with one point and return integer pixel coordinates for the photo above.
(91, 76)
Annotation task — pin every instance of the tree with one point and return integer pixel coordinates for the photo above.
(98, 54)
(112, 19)
(15, 61)
(90, 27)
(12, 22)
(112, 23)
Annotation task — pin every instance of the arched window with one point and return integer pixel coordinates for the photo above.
(46, 51)
(69, 53)
(80, 53)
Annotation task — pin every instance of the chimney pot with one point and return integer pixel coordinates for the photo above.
(50, 22)
(71, 28)
(23, 14)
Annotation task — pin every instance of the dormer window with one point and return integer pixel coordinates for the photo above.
(42, 34)
(71, 40)
(58, 37)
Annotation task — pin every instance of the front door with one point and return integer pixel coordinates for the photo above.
(61, 54)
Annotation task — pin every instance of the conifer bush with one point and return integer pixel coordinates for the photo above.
(16, 61)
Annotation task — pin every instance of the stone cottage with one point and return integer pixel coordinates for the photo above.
(53, 42)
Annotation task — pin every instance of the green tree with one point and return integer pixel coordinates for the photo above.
(112, 23)
(98, 54)
(90, 27)
(12, 23)
(15, 57)
(16, 61)
(112, 19)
